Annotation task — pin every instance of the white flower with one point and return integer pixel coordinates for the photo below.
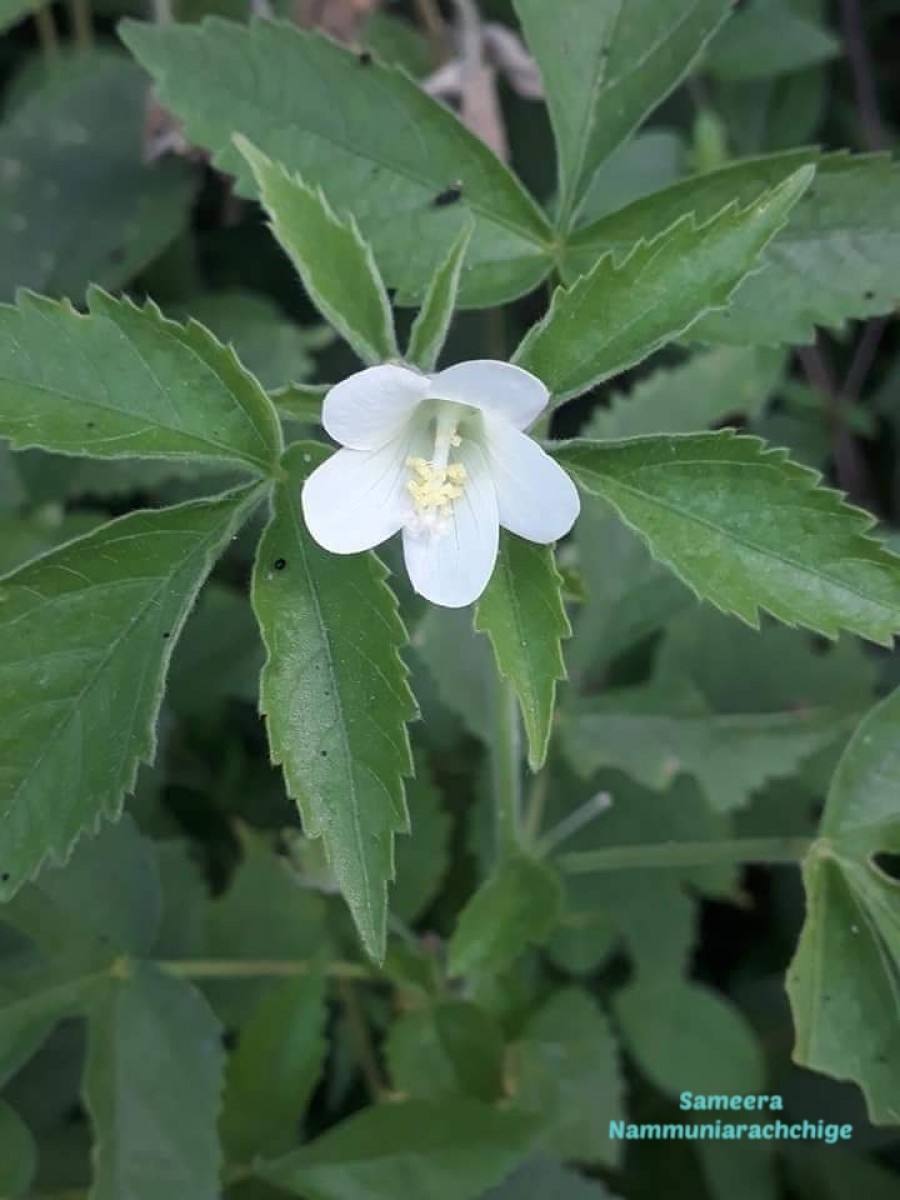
(444, 459)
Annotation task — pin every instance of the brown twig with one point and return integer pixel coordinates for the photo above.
(849, 464)
(863, 76)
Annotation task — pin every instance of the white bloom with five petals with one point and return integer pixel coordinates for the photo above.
(444, 459)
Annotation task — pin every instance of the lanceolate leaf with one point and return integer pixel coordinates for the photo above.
(452, 1149)
(614, 316)
(571, 43)
(124, 381)
(365, 133)
(747, 529)
(334, 262)
(88, 631)
(844, 982)
(517, 906)
(152, 1086)
(522, 613)
(650, 47)
(335, 697)
(429, 331)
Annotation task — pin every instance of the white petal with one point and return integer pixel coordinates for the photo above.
(367, 410)
(356, 499)
(494, 387)
(453, 570)
(536, 498)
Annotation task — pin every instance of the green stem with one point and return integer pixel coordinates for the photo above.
(506, 757)
(685, 854)
(201, 968)
(81, 23)
(48, 34)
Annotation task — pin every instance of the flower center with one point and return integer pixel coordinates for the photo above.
(435, 484)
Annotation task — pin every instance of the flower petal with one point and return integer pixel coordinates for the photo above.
(367, 410)
(357, 498)
(454, 569)
(494, 387)
(535, 497)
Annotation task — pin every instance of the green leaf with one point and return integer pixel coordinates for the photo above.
(836, 260)
(568, 1074)
(422, 858)
(152, 1087)
(604, 71)
(571, 43)
(460, 665)
(645, 164)
(13, 11)
(543, 1179)
(300, 402)
(270, 345)
(452, 1149)
(844, 981)
(451, 1047)
(617, 315)
(366, 134)
(335, 264)
(516, 907)
(522, 613)
(747, 529)
(80, 205)
(769, 38)
(686, 1037)
(703, 390)
(630, 594)
(18, 1153)
(124, 381)
(88, 633)
(741, 183)
(429, 331)
(271, 1075)
(335, 696)
(655, 732)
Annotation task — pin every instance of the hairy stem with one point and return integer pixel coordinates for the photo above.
(202, 968)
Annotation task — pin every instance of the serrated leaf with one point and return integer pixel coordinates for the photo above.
(271, 1075)
(450, 1047)
(335, 264)
(702, 391)
(124, 381)
(598, 99)
(844, 981)
(836, 260)
(80, 205)
(88, 633)
(429, 331)
(747, 529)
(655, 733)
(615, 315)
(769, 38)
(706, 195)
(452, 1149)
(335, 696)
(567, 1072)
(522, 613)
(517, 906)
(571, 44)
(366, 134)
(688, 1038)
(18, 1153)
(153, 1038)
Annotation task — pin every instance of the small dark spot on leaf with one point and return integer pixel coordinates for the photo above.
(450, 195)
(166, 635)
(869, 295)
(365, 58)
(117, 254)
(90, 424)
(279, 564)
(323, 753)
(229, 1039)
(5, 877)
